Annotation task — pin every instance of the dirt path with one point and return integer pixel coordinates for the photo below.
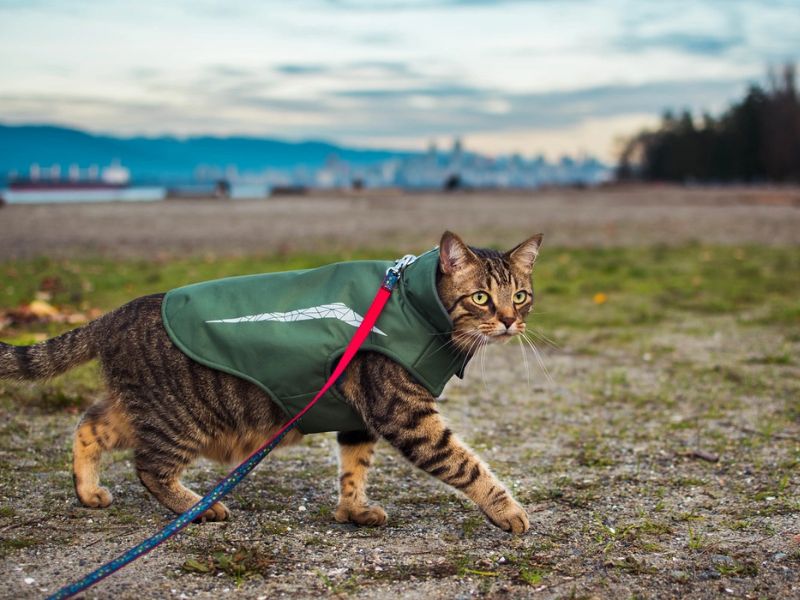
(635, 216)
(602, 459)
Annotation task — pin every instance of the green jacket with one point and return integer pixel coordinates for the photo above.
(284, 332)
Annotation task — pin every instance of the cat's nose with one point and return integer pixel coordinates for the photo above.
(508, 321)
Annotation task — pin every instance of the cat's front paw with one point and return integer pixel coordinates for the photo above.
(510, 517)
(217, 512)
(94, 496)
(366, 515)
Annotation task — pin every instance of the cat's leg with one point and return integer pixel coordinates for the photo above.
(105, 426)
(356, 449)
(160, 461)
(404, 413)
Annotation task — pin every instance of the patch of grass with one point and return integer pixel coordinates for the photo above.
(782, 358)
(315, 540)
(737, 569)
(626, 534)
(239, 565)
(688, 517)
(471, 524)
(638, 285)
(593, 456)
(696, 540)
(347, 586)
(631, 565)
(404, 572)
(563, 491)
(532, 576)
(643, 286)
(9, 545)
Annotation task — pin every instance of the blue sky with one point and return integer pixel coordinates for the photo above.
(534, 76)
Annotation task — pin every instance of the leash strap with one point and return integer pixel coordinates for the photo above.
(233, 478)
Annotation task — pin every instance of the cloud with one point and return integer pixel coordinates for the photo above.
(409, 5)
(372, 68)
(444, 108)
(424, 111)
(302, 69)
(432, 90)
(689, 43)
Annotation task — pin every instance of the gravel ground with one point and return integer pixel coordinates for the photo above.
(601, 458)
(614, 458)
(619, 217)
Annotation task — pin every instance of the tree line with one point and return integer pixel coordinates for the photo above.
(755, 140)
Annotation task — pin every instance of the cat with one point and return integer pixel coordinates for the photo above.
(170, 409)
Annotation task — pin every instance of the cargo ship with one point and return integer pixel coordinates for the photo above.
(46, 185)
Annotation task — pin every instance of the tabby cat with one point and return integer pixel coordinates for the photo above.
(171, 410)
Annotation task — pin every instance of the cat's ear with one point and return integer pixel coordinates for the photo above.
(454, 254)
(524, 255)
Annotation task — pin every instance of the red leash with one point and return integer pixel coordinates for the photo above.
(232, 479)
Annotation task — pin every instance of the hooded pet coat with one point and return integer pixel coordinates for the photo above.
(284, 332)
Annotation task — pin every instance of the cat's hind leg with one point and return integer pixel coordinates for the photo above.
(356, 449)
(104, 427)
(159, 467)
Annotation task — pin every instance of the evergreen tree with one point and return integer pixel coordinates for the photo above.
(756, 139)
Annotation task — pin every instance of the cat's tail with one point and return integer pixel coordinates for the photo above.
(51, 357)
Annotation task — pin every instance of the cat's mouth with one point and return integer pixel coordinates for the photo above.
(470, 340)
(503, 336)
(499, 336)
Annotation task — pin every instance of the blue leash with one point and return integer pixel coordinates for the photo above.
(232, 479)
(221, 489)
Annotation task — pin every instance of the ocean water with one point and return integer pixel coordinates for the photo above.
(132, 194)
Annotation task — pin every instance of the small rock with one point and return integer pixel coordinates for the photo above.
(721, 559)
(709, 574)
(779, 556)
(681, 576)
(29, 580)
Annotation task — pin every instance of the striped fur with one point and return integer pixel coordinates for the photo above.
(170, 409)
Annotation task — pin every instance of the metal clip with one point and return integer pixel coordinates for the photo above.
(393, 272)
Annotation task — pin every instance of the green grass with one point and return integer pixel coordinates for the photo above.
(648, 285)
(10, 545)
(642, 285)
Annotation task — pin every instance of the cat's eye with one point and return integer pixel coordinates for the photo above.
(520, 297)
(480, 298)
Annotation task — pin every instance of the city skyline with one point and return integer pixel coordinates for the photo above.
(506, 76)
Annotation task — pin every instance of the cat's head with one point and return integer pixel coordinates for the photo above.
(488, 294)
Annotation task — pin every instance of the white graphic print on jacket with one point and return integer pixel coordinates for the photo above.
(337, 310)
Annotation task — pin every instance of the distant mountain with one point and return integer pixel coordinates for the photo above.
(167, 157)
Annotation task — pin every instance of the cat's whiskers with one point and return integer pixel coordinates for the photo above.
(543, 338)
(525, 359)
(470, 351)
(483, 347)
(538, 358)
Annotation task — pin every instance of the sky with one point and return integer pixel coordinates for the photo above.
(541, 76)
